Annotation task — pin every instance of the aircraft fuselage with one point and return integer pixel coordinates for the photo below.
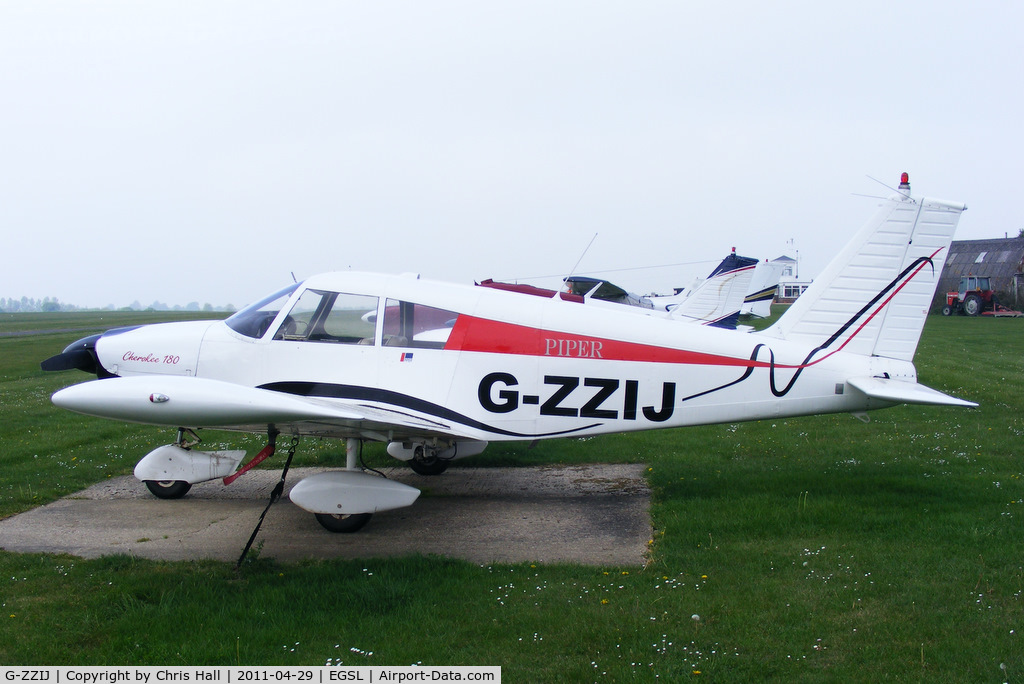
(503, 366)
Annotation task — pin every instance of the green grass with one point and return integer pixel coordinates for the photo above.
(812, 549)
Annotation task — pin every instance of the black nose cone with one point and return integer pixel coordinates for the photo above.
(80, 355)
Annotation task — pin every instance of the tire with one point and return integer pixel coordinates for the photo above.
(428, 467)
(947, 310)
(972, 305)
(343, 524)
(168, 489)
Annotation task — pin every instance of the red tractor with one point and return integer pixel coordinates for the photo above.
(974, 296)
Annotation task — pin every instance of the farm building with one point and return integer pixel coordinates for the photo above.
(1001, 259)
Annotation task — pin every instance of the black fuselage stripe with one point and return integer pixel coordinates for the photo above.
(383, 396)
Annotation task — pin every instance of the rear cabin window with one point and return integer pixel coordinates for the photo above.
(414, 325)
(331, 317)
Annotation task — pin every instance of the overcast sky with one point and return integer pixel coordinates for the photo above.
(204, 151)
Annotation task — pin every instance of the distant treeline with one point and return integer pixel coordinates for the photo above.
(30, 305)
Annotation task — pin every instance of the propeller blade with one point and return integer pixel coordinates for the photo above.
(81, 359)
(78, 355)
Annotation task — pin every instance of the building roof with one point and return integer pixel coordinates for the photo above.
(1000, 258)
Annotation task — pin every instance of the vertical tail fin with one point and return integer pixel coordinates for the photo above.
(874, 296)
(763, 286)
(717, 301)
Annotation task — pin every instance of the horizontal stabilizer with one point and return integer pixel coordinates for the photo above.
(905, 392)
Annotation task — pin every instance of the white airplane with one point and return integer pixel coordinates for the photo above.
(716, 300)
(438, 370)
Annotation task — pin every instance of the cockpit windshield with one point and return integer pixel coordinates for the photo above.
(255, 319)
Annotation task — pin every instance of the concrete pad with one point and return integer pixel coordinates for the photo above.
(593, 514)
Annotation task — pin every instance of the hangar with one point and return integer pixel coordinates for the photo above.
(1001, 259)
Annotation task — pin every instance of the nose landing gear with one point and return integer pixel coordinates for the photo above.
(168, 489)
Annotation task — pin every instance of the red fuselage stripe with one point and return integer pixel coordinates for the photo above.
(483, 335)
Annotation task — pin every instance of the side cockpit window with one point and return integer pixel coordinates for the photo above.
(333, 317)
(416, 325)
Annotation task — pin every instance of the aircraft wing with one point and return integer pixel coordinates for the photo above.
(180, 401)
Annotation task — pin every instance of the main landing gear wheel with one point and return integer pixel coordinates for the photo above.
(426, 462)
(343, 523)
(168, 489)
(428, 466)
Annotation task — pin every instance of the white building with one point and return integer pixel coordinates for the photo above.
(791, 285)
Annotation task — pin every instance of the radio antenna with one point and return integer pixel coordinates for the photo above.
(577, 265)
(904, 188)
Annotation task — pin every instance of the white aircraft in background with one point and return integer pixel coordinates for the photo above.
(438, 370)
(716, 300)
(738, 285)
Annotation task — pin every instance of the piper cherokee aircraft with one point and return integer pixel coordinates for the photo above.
(438, 370)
